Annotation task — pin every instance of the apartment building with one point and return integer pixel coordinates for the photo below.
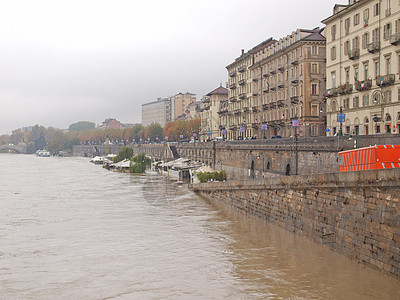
(288, 82)
(209, 113)
(363, 65)
(180, 103)
(240, 95)
(157, 112)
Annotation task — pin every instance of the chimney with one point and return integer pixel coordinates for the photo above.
(242, 52)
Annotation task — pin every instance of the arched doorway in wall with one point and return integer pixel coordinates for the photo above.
(287, 172)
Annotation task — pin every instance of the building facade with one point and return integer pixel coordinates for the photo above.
(209, 113)
(180, 103)
(156, 112)
(363, 65)
(288, 84)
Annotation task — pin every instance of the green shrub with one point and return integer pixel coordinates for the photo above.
(125, 153)
(137, 167)
(206, 176)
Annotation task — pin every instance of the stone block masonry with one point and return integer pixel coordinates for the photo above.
(354, 213)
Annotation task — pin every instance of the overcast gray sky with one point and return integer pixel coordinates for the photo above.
(88, 60)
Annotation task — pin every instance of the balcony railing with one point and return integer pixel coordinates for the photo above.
(266, 90)
(333, 92)
(294, 99)
(242, 96)
(232, 74)
(280, 103)
(354, 54)
(237, 111)
(385, 80)
(266, 75)
(241, 69)
(295, 81)
(254, 125)
(295, 62)
(281, 68)
(395, 38)
(272, 105)
(373, 47)
(346, 88)
(254, 109)
(255, 79)
(265, 106)
(363, 85)
(232, 99)
(272, 72)
(281, 84)
(232, 86)
(242, 82)
(255, 94)
(245, 109)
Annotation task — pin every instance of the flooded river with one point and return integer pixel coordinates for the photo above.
(72, 230)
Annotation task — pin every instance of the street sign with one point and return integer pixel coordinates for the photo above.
(327, 130)
(341, 118)
(264, 126)
(242, 129)
(223, 131)
(209, 133)
(295, 123)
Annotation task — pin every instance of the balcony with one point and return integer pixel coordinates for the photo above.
(245, 109)
(242, 96)
(207, 107)
(281, 85)
(265, 106)
(346, 88)
(232, 74)
(242, 82)
(255, 94)
(363, 85)
(272, 105)
(388, 12)
(295, 62)
(385, 80)
(266, 75)
(395, 38)
(255, 79)
(237, 111)
(354, 54)
(254, 125)
(373, 47)
(272, 88)
(232, 99)
(232, 86)
(280, 103)
(281, 68)
(333, 92)
(272, 72)
(254, 109)
(266, 90)
(295, 81)
(294, 99)
(241, 69)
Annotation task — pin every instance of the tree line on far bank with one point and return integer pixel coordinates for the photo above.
(83, 132)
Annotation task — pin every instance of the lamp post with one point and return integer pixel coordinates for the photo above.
(380, 101)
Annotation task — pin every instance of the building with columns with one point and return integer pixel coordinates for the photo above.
(363, 65)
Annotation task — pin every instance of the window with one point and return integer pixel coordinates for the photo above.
(333, 53)
(356, 102)
(388, 97)
(346, 47)
(387, 31)
(333, 106)
(366, 16)
(376, 9)
(333, 74)
(333, 32)
(365, 40)
(376, 64)
(365, 71)
(375, 35)
(347, 72)
(366, 100)
(346, 103)
(314, 68)
(356, 19)
(314, 50)
(398, 94)
(356, 43)
(388, 66)
(347, 26)
(314, 89)
(356, 74)
(314, 110)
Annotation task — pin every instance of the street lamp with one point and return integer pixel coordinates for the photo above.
(378, 100)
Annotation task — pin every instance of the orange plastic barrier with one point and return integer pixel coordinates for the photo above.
(370, 158)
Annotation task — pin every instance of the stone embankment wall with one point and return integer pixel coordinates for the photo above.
(354, 213)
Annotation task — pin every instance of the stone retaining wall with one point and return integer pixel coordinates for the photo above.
(354, 213)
